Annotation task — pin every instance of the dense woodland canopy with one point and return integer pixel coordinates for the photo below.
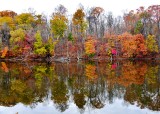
(88, 33)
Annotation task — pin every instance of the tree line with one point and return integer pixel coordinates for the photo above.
(88, 33)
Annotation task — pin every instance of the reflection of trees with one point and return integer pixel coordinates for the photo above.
(90, 85)
(95, 86)
(96, 96)
(146, 95)
(17, 92)
(87, 88)
(21, 85)
(41, 81)
(132, 74)
(59, 94)
(79, 100)
(5, 84)
(90, 71)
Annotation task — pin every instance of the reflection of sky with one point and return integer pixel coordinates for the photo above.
(118, 107)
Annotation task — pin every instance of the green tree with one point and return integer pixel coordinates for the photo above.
(58, 25)
(25, 20)
(70, 37)
(39, 47)
(138, 28)
(151, 44)
(49, 46)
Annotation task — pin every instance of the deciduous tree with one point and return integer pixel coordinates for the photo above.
(39, 47)
(151, 44)
(79, 23)
(90, 49)
(59, 22)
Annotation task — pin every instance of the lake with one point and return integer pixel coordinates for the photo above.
(84, 87)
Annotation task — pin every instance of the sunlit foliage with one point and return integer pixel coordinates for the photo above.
(59, 22)
(90, 49)
(39, 47)
(7, 20)
(79, 22)
(133, 45)
(16, 40)
(151, 44)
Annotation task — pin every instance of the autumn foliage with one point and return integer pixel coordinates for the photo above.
(133, 45)
(134, 82)
(90, 72)
(85, 34)
(90, 47)
(4, 52)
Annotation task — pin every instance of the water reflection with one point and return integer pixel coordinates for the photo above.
(86, 84)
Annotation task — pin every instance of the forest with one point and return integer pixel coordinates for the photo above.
(89, 33)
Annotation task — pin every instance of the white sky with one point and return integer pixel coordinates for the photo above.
(47, 6)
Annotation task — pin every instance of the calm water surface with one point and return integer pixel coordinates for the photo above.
(121, 87)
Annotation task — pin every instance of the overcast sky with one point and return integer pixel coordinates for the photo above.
(47, 6)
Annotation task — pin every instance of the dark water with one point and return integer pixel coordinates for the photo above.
(122, 87)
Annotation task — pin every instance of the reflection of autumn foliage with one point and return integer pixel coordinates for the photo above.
(80, 100)
(29, 84)
(91, 71)
(20, 71)
(69, 69)
(59, 94)
(144, 99)
(151, 75)
(130, 74)
(147, 94)
(4, 67)
(20, 83)
(18, 92)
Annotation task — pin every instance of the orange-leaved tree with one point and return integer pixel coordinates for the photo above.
(132, 45)
(141, 49)
(90, 46)
(4, 52)
(79, 23)
(7, 13)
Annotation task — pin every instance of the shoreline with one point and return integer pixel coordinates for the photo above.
(64, 59)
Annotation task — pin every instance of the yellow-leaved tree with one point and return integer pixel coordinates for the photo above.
(59, 22)
(7, 20)
(151, 44)
(39, 47)
(25, 20)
